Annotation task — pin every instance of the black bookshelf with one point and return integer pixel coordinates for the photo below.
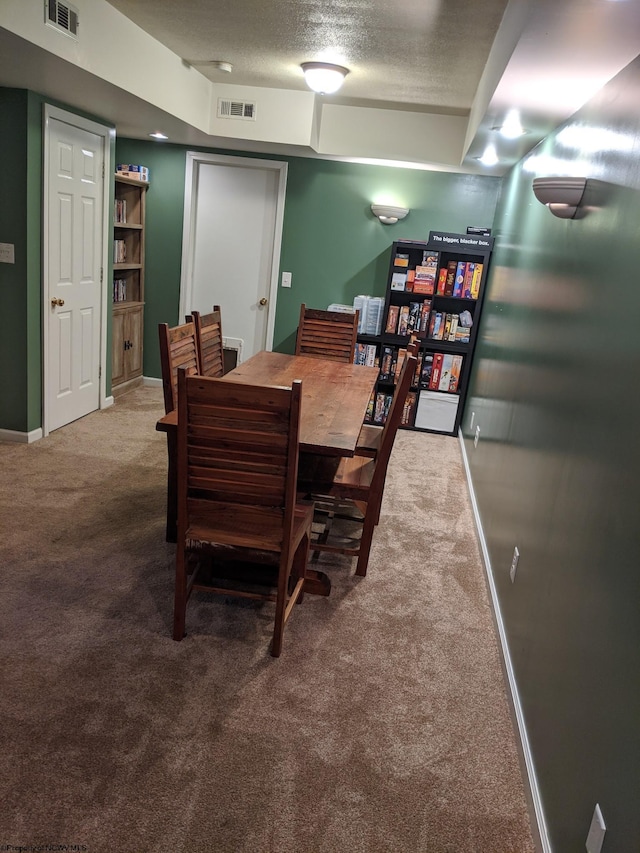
(435, 289)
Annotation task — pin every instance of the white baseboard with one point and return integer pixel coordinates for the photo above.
(21, 437)
(152, 382)
(527, 757)
(108, 401)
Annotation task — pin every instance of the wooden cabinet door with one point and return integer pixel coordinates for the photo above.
(118, 352)
(127, 327)
(133, 353)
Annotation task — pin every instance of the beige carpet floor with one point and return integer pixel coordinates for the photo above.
(384, 727)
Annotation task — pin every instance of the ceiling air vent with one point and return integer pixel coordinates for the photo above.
(236, 109)
(62, 16)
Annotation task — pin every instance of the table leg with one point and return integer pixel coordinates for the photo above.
(317, 583)
(171, 534)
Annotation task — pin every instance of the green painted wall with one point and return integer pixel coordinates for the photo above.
(20, 283)
(18, 222)
(336, 249)
(34, 261)
(556, 468)
(332, 244)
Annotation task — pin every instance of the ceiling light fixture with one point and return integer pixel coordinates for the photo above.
(388, 214)
(214, 64)
(157, 135)
(221, 65)
(323, 77)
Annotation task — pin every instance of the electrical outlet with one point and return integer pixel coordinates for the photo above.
(286, 279)
(476, 437)
(473, 417)
(514, 564)
(597, 830)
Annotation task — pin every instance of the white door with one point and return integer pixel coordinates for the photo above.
(74, 232)
(231, 247)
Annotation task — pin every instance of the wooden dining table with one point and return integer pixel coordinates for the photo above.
(335, 396)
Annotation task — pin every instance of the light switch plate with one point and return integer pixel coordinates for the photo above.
(7, 253)
(286, 279)
(597, 830)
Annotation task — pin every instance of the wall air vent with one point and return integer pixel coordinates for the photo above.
(62, 17)
(236, 109)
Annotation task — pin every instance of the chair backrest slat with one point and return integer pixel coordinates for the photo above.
(327, 334)
(178, 348)
(209, 340)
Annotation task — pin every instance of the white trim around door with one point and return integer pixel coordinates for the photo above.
(195, 159)
(106, 134)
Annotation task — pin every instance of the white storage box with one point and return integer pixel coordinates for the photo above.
(437, 410)
(347, 309)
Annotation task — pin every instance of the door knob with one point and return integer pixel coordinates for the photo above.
(263, 301)
(55, 301)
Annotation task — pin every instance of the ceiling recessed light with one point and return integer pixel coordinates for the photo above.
(157, 135)
(511, 128)
(490, 156)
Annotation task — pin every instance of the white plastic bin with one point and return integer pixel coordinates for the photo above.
(360, 304)
(375, 310)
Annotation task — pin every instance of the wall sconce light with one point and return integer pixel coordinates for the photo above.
(323, 77)
(387, 214)
(562, 196)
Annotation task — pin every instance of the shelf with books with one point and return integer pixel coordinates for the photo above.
(128, 278)
(370, 339)
(434, 291)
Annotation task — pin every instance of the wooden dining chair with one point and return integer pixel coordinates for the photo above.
(237, 467)
(355, 484)
(178, 348)
(327, 334)
(370, 435)
(209, 341)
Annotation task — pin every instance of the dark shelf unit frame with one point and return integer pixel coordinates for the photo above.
(447, 247)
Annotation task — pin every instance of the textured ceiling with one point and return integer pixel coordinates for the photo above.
(419, 53)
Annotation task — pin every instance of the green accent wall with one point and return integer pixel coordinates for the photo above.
(19, 222)
(331, 243)
(555, 472)
(34, 261)
(334, 246)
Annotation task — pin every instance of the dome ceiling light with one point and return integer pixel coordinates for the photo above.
(323, 77)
